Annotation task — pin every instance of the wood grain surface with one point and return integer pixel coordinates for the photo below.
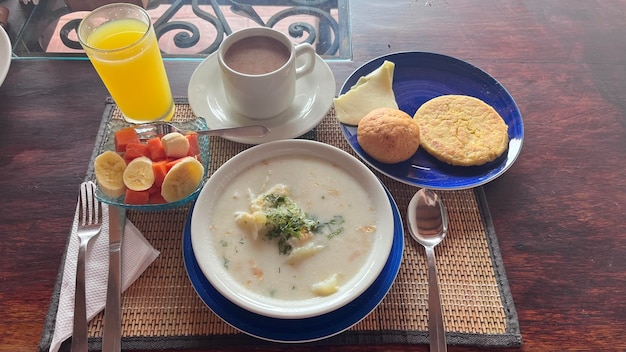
(558, 212)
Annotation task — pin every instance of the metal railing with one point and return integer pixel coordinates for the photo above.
(196, 28)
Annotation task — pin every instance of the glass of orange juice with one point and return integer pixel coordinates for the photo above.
(120, 41)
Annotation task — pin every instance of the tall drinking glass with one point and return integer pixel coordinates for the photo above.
(119, 40)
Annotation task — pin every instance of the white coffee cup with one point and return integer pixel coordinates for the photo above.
(259, 70)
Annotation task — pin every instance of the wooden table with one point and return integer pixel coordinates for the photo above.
(558, 212)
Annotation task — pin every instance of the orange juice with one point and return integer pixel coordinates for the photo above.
(126, 55)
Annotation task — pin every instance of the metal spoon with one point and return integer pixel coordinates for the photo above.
(150, 130)
(428, 224)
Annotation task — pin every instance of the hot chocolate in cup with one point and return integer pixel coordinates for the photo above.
(259, 68)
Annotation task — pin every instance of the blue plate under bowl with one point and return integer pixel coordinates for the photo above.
(296, 330)
(419, 77)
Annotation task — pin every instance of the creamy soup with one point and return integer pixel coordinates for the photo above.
(333, 216)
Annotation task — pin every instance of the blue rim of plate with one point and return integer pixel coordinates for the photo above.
(296, 330)
(108, 143)
(419, 77)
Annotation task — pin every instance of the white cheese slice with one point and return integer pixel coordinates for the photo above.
(370, 92)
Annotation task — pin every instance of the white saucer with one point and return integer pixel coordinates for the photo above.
(5, 54)
(314, 97)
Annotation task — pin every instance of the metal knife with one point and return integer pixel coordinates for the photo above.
(112, 334)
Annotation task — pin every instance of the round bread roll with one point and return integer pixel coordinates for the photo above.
(388, 135)
(461, 130)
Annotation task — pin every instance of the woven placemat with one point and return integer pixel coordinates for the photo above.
(162, 311)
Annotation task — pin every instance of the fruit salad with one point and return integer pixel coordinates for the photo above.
(157, 171)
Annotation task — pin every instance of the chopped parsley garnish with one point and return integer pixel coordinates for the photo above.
(334, 226)
(285, 220)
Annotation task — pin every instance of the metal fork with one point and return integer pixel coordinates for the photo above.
(89, 225)
(154, 129)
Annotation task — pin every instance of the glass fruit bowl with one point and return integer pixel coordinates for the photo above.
(108, 143)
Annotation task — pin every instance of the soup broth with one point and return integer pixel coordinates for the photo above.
(321, 261)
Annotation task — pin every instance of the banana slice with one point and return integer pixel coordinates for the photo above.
(175, 145)
(182, 179)
(138, 175)
(109, 169)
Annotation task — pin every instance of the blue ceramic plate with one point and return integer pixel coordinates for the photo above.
(296, 330)
(419, 77)
(109, 144)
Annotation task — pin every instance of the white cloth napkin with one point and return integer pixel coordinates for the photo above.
(137, 255)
